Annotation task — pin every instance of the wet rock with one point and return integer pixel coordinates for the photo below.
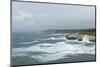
(72, 36)
(80, 39)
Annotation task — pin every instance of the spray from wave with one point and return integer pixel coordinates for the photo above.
(55, 51)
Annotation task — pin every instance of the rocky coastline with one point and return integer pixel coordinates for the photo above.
(78, 36)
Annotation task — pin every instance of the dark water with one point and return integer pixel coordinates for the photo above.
(37, 48)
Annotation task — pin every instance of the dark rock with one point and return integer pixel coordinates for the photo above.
(80, 39)
(71, 38)
(93, 40)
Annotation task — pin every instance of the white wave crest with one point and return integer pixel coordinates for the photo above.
(49, 57)
(86, 39)
(55, 38)
(59, 34)
(28, 42)
(54, 51)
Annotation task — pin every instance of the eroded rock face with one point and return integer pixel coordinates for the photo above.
(92, 38)
(74, 36)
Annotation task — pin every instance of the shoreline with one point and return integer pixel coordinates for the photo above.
(78, 35)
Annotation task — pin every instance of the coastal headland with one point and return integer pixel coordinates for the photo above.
(73, 34)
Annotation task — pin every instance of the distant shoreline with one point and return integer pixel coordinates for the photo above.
(69, 30)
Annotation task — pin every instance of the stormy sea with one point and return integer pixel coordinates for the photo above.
(39, 48)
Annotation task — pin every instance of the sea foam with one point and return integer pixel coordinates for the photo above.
(53, 51)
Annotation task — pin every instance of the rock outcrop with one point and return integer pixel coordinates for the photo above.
(74, 36)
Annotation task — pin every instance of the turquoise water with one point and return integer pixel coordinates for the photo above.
(39, 48)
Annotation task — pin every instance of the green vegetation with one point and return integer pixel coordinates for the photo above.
(88, 33)
(81, 31)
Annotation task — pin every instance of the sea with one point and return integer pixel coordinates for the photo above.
(49, 48)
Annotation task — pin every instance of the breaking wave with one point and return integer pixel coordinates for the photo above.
(55, 51)
(28, 42)
(55, 38)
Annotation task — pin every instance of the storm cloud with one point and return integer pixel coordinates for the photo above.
(27, 16)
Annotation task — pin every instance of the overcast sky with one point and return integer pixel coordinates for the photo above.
(27, 16)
